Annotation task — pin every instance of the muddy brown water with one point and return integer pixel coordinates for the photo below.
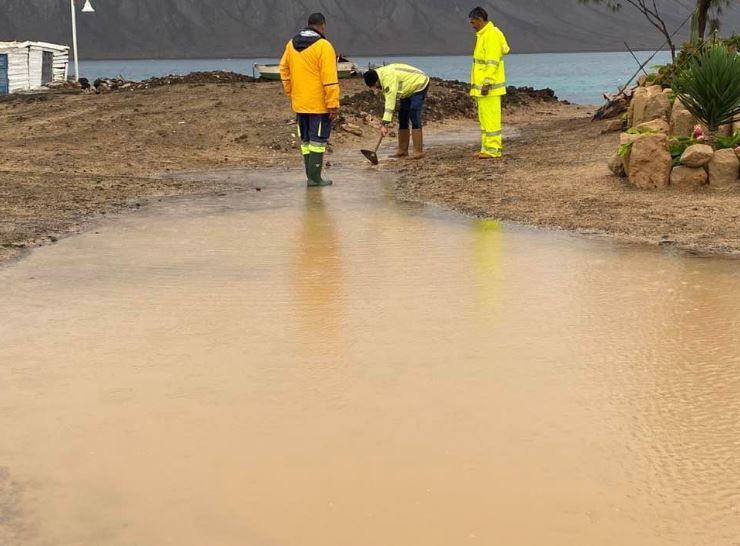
(337, 368)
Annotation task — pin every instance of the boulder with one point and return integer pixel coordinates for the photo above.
(654, 90)
(688, 178)
(657, 107)
(736, 126)
(650, 162)
(697, 155)
(616, 165)
(655, 126)
(626, 138)
(636, 112)
(737, 152)
(725, 130)
(613, 126)
(682, 121)
(723, 169)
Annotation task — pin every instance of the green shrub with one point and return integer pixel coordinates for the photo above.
(709, 87)
(729, 141)
(678, 146)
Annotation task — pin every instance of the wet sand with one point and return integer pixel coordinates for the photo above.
(67, 160)
(324, 368)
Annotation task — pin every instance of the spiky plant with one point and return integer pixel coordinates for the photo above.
(709, 87)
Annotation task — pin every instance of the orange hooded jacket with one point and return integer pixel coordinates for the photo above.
(308, 70)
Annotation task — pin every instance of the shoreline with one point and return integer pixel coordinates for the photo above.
(68, 161)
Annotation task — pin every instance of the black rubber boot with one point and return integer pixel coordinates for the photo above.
(315, 165)
(305, 162)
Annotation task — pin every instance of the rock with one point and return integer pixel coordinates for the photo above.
(688, 178)
(655, 126)
(626, 138)
(650, 162)
(682, 121)
(613, 126)
(725, 130)
(616, 165)
(636, 111)
(352, 129)
(642, 80)
(697, 155)
(657, 107)
(736, 127)
(737, 152)
(723, 169)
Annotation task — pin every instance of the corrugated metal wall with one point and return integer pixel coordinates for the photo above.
(3, 73)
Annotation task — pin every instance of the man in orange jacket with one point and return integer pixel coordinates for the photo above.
(308, 70)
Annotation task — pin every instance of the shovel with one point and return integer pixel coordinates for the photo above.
(372, 155)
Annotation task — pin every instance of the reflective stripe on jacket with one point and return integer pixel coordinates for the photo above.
(399, 81)
(488, 61)
(308, 70)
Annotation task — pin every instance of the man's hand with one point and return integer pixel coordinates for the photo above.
(384, 130)
(333, 113)
(486, 88)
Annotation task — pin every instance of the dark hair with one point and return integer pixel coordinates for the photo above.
(478, 13)
(316, 19)
(371, 78)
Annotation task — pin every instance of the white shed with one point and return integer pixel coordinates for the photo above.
(30, 65)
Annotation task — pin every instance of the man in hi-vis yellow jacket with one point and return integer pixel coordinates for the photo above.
(308, 69)
(488, 81)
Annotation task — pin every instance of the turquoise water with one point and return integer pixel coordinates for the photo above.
(577, 77)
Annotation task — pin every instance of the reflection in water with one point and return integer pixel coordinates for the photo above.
(317, 277)
(487, 261)
(330, 368)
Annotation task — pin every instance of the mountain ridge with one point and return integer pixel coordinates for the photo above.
(259, 28)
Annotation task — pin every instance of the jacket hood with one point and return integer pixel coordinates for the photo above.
(306, 38)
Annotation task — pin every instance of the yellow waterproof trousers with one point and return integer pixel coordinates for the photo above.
(489, 114)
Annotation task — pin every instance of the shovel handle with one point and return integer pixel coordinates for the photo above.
(377, 146)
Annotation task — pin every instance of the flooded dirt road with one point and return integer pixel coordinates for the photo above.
(334, 368)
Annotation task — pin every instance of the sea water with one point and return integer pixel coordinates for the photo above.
(577, 77)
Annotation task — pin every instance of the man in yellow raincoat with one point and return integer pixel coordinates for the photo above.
(409, 86)
(308, 70)
(488, 81)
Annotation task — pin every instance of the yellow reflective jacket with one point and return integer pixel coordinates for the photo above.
(488, 61)
(399, 81)
(309, 73)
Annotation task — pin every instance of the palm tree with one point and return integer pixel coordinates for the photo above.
(708, 12)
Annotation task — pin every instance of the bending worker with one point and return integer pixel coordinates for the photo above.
(410, 85)
(309, 73)
(488, 81)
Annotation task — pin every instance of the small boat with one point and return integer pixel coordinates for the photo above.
(345, 69)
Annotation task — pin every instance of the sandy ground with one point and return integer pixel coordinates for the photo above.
(66, 159)
(555, 175)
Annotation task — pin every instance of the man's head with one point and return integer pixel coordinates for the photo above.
(372, 80)
(478, 18)
(317, 21)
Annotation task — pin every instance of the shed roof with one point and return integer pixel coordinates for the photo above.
(41, 45)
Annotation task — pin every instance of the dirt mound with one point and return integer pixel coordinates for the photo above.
(447, 99)
(112, 84)
(195, 77)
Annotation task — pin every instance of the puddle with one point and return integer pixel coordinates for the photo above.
(335, 368)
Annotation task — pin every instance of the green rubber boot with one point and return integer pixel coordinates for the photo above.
(315, 165)
(305, 162)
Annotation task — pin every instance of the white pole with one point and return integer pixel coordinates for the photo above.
(74, 39)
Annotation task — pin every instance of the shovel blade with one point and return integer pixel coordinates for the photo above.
(371, 156)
